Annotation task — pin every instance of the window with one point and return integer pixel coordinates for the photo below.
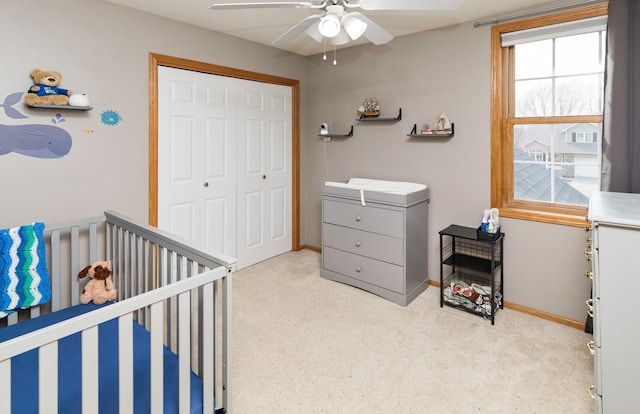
(584, 137)
(547, 105)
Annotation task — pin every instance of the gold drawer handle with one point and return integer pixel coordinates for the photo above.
(587, 228)
(592, 391)
(589, 303)
(591, 345)
(588, 274)
(587, 239)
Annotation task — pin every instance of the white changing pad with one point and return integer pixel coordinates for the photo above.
(393, 187)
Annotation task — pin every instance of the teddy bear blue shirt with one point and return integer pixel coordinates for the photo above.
(48, 90)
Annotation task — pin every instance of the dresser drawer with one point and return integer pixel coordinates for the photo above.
(374, 245)
(374, 219)
(375, 272)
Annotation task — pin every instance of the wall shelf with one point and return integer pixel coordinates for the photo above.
(414, 133)
(364, 118)
(76, 108)
(349, 134)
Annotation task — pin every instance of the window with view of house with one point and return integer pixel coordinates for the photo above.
(547, 115)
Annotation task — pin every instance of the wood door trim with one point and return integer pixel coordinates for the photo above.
(156, 60)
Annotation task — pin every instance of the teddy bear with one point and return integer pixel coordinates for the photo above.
(46, 90)
(100, 288)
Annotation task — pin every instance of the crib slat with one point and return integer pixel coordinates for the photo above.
(75, 265)
(93, 242)
(184, 349)
(157, 367)
(125, 354)
(5, 390)
(55, 270)
(90, 360)
(207, 341)
(226, 341)
(48, 378)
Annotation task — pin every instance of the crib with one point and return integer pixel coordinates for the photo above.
(163, 346)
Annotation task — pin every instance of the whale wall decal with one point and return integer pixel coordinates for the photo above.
(32, 140)
(40, 141)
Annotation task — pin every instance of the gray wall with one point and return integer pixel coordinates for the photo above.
(102, 50)
(446, 70)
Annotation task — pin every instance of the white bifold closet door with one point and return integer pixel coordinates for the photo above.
(224, 163)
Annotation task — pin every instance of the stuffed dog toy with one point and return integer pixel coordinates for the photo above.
(100, 288)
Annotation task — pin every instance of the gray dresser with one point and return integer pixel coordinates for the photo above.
(375, 238)
(616, 272)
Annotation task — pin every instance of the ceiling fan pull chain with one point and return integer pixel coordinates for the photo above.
(335, 61)
(324, 48)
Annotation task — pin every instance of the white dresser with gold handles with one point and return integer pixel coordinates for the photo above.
(615, 253)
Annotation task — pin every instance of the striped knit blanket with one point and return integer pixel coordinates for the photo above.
(24, 278)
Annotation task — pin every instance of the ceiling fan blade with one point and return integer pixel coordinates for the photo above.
(263, 5)
(298, 29)
(376, 34)
(410, 4)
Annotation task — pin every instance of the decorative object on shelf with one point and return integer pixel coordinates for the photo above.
(324, 128)
(377, 118)
(443, 126)
(79, 99)
(431, 132)
(370, 107)
(46, 89)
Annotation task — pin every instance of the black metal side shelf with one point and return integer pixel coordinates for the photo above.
(475, 274)
(469, 262)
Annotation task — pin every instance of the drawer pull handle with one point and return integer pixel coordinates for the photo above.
(358, 243)
(358, 269)
(591, 345)
(589, 303)
(358, 218)
(588, 274)
(587, 239)
(592, 391)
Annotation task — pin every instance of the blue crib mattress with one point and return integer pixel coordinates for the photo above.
(24, 368)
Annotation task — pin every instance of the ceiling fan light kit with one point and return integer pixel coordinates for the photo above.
(354, 27)
(329, 25)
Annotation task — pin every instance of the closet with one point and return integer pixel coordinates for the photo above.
(224, 163)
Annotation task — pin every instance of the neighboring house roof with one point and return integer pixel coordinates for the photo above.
(533, 183)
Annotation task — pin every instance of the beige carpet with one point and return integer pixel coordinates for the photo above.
(303, 344)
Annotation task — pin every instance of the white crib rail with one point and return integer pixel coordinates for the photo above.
(46, 339)
(148, 264)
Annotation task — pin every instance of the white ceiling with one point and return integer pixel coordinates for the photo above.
(265, 25)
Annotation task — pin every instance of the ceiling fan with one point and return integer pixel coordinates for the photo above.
(336, 24)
